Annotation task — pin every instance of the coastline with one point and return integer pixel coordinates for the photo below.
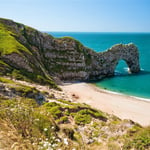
(123, 94)
(123, 106)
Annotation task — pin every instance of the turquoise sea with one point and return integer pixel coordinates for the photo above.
(131, 84)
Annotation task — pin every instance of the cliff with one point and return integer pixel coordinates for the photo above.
(39, 56)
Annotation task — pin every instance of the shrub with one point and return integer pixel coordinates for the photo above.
(139, 141)
(55, 111)
(82, 119)
(63, 119)
(5, 80)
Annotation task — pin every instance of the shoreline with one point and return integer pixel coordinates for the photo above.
(121, 105)
(119, 93)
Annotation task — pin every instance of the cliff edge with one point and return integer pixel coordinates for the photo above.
(39, 56)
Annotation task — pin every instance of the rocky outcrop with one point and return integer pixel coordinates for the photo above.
(64, 58)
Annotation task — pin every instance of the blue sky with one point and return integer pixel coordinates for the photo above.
(80, 15)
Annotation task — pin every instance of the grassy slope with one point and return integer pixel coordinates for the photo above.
(9, 45)
(28, 125)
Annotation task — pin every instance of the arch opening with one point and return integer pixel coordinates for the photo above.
(122, 68)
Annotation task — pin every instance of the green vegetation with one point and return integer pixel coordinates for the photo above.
(23, 90)
(67, 39)
(82, 119)
(63, 124)
(140, 140)
(32, 77)
(30, 122)
(63, 119)
(8, 43)
(5, 80)
(3, 63)
(81, 113)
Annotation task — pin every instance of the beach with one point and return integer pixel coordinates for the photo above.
(123, 106)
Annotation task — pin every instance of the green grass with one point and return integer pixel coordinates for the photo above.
(140, 140)
(3, 63)
(8, 43)
(71, 39)
(82, 119)
(25, 90)
(28, 120)
(33, 77)
(5, 80)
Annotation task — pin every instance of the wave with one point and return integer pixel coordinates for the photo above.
(142, 69)
(125, 71)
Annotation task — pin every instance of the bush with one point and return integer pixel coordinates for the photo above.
(55, 111)
(140, 141)
(82, 119)
(63, 119)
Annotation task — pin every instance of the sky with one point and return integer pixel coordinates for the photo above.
(80, 15)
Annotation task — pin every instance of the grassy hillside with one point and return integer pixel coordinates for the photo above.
(15, 57)
(34, 117)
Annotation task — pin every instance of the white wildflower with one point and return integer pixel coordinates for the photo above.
(45, 144)
(49, 144)
(66, 141)
(45, 129)
(54, 145)
(57, 140)
(37, 119)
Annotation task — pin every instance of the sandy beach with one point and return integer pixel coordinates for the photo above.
(125, 107)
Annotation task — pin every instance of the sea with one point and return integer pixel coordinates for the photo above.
(137, 85)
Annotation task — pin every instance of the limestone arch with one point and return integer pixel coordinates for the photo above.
(129, 54)
(122, 62)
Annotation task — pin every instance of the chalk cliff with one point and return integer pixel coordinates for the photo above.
(36, 55)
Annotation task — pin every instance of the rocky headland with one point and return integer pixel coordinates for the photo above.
(32, 52)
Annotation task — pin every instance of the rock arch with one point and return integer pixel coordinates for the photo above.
(108, 60)
(129, 53)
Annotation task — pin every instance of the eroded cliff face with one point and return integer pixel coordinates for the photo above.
(64, 58)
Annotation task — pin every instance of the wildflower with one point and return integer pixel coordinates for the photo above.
(54, 145)
(37, 119)
(45, 129)
(45, 144)
(57, 140)
(66, 141)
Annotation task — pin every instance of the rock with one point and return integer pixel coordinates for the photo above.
(64, 58)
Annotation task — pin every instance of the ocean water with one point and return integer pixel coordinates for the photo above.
(131, 84)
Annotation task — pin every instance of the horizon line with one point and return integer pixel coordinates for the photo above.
(100, 31)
